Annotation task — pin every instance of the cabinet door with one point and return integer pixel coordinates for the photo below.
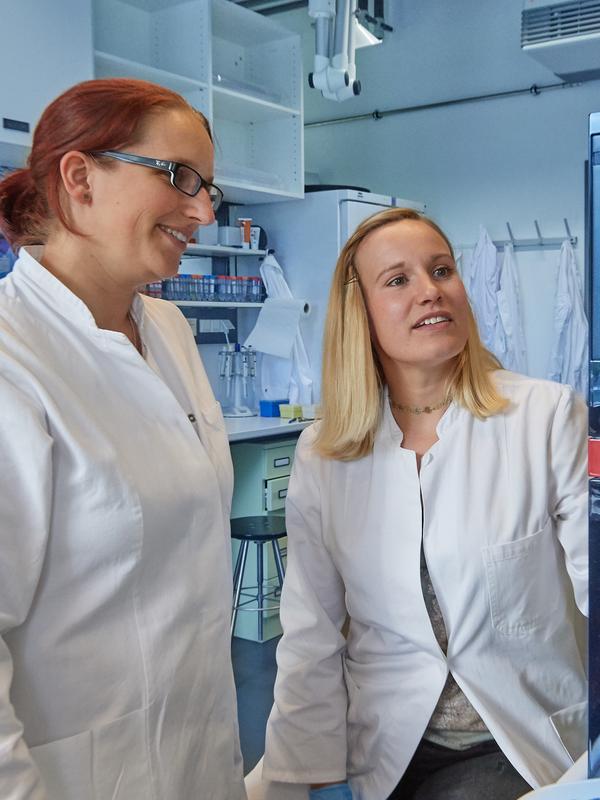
(46, 47)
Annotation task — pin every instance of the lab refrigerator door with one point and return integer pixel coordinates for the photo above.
(593, 282)
(352, 213)
(593, 251)
(594, 626)
(357, 206)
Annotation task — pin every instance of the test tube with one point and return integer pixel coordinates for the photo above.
(209, 284)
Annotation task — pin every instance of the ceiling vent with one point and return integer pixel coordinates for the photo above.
(563, 36)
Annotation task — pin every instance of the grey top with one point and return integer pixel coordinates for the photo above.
(454, 723)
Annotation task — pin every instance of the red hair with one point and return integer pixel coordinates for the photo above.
(104, 114)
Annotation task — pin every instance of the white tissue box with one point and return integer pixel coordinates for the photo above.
(230, 236)
(208, 234)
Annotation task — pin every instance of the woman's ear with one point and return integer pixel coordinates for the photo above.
(75, 173)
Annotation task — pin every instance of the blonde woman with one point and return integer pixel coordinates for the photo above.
(440, 504)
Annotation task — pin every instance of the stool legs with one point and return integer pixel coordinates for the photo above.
(278, 562)
(238, 577)
(263, 594)
(260, 594)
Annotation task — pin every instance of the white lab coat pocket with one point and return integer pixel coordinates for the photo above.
(523, 581)
(570, 725)
(66, 767)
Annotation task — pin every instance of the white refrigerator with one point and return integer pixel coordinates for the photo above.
(307, 236)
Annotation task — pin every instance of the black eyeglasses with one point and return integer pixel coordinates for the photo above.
(184, 178)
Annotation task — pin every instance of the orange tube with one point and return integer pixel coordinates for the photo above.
(245, 222)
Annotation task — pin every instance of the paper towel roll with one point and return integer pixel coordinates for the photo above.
(277, 326)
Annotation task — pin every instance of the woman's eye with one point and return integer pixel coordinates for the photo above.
(399, 280)
(443, 271)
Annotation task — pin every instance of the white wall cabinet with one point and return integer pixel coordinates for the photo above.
(242, 70)
(46, 47)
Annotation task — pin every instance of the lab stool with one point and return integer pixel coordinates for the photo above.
(261, 530)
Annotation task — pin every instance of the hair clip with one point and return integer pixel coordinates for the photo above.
(353, 279)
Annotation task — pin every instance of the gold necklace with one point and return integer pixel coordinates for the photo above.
(135, 340)
(418, 409)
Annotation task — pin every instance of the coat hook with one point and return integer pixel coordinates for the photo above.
(510, 234)
(539, 233)
(568, 230)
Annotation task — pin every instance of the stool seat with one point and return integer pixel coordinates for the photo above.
(263, 529)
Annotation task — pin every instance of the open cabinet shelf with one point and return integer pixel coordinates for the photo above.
(108, 65)
(240, 69)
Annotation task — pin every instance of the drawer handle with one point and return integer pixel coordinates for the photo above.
(282, 493)
(281, 462)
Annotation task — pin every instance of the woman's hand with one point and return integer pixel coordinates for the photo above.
(332, 791)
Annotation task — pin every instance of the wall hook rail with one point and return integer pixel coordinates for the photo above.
(547, 243)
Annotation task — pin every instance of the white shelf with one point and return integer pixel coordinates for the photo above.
(220, 250)
(154, 5)
(240, 107)
(242, 192)
(217, 304)
(111, 66)
(230, 22)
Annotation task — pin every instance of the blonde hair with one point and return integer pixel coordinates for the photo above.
(353, 381)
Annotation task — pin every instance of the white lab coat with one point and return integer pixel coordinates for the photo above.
(569, 356)
(505, 538)
(482, 284)
(115, 673)
(514, 354)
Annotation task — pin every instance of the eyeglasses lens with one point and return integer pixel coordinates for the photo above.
(188, 181)
(215, 194)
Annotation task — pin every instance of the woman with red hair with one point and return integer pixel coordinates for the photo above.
(115, 672)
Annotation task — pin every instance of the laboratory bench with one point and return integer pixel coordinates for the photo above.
(240, 429)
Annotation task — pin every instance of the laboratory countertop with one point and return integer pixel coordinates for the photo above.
(243, 428)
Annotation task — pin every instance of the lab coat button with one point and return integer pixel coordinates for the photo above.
(192, 418)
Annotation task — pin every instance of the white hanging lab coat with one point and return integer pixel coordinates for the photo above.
(569, 356)
(482, 287)
(284, 377)
(115, 672)
(505, 538)
(514, 355)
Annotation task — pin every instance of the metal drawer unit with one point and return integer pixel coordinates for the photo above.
(256, 464)
(261, 469)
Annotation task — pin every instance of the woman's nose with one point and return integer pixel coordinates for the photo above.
(429, 290)
(200, 208)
